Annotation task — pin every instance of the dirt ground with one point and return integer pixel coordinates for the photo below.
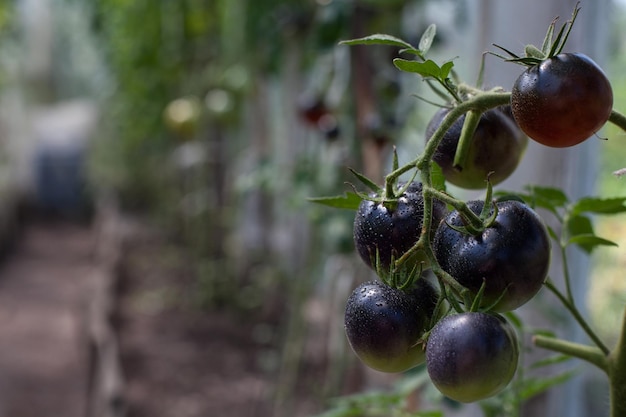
(177, 359)
(43, 294)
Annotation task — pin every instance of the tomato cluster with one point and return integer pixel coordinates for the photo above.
(489, 256)
(395, 323)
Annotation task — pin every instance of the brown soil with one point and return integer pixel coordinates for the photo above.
(177, 359)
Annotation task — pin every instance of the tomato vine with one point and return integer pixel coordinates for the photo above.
(573, 216)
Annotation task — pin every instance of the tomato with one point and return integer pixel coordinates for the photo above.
(563, 100)
(384, 324)
(392, 229)
(511, 256)
(471, 356)
(182, 116)
(497, 147)
(312, 108)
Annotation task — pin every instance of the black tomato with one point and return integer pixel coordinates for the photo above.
(497, 147)
(391, 230)
(384, 324)
(471, 356)
(511, 256)
(563, 100)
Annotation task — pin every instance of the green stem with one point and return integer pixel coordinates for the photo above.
(587, 353)
(472, 118)
(617, 374)
(618, 119)
(479, 103)
(566, 275)
(474, 222)
(578, 317)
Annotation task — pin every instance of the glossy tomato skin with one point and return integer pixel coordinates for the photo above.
(563, 100)
(471, 356)
(497, 147)
(512, 256)
(384, 324)
(392, 230)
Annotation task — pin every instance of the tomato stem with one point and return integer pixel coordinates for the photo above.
(472, 118)
(478, 103)
(618, 119)
(591, 354)
(617, 374)
(571, 307)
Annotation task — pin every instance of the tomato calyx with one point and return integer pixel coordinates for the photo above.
(550, 47)
(474, 224)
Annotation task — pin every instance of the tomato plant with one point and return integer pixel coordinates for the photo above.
(491, 255)
(496, 149)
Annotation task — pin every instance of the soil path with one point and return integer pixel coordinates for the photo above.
(44, 291)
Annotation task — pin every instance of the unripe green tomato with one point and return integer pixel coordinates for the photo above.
(182, 116)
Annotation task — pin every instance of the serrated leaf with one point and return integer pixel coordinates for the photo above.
(427, 38)
(349, 201)
(554, 195)
(599, 205)
(427, 69)
(589, 242)
(546, 197)
(379, 39)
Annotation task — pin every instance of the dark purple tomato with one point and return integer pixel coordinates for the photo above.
(563, 100)
(392, 229)
(511, 256)
(497, 148)
(471, 356)
(385, 324)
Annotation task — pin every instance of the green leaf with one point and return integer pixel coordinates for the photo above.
(433, 413)
(590, 242)
(348, 201)
(534, 386)
(367, 182)
(551, 360)
(544, 332)
(552, 233)
(427, 69)
(379, 39)
(438, 180)
(514, 319)
(600, 205)
(427, 38)
(446, 68)
(547, 40)
(579, 225)
(533, 52)
(546, 197)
